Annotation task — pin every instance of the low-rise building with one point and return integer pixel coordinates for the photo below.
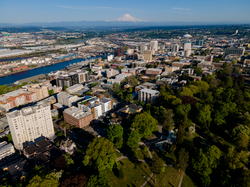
(78, 117)
(41, 91)
(6, 149)
(74, 88)
(153, 71)
(119, 78)
(42, 152)
(111, 72)
(17, 98)
(206, 64)
(68, 146)
(98, 105)
(148, 96)
(66, 99)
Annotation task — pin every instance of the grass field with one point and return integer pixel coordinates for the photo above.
(133, 173)
(187, 182)
(169, 178)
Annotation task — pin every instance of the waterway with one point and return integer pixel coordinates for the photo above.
(9, 79)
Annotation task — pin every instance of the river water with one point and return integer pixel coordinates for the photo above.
(33, 72)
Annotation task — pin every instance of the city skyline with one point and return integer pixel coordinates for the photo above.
(187, 11)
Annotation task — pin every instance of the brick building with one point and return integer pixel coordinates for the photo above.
(78, 117)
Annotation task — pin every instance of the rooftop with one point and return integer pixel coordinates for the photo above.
(149, 91)
(78, 113)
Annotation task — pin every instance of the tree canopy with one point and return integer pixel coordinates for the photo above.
(101, 154)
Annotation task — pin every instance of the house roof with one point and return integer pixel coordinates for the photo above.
(30, 149)
(43, 143)
(40, 158)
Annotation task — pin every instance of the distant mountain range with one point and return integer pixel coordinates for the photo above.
(124, 21)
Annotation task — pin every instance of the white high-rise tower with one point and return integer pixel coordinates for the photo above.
(30, 125)
(154, 46)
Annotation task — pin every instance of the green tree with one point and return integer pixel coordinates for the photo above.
(121, 173)
(186, 92)
(144, 124)
(129, 98)
(204, 115)
(133, 140)
(168, 119)
(115, 135)
(120, 68)
(100, 180)
(240, 129)
(68, 159)
(115, 88)
(101, 153)
(65, 88)
(157, 165)
(48, 181)
(198, 70)
(236, 160)
(88, 93)
(234, 61)
(205, 162)
(56, 174)
(243, 141)
(51, 92)
(182, 159)
(130, 89)
(134, 81)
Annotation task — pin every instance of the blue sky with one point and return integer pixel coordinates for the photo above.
(23, 11)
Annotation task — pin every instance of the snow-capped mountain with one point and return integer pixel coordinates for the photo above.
(128, 17)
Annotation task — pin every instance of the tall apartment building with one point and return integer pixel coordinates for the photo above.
(148, 96)
(143, 48)
(235, 51)
(148, 55)
(30, 125)
(175, 48)
(187, 49)
(66, 99)
(41, 91)
(118, 52)
(78, 117)
(17, 98)
(154, 46)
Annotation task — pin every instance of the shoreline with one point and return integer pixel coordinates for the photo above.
(30, 68)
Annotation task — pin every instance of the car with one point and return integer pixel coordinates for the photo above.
(98, 136)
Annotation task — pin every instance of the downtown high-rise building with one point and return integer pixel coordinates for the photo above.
(30, 125)
(187, 49)
(154, 46)
(175, 48)
(143, 48)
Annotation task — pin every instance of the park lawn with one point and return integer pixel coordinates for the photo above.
(187, 182)
(133, 176)
(141, 154)
(169, 178)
